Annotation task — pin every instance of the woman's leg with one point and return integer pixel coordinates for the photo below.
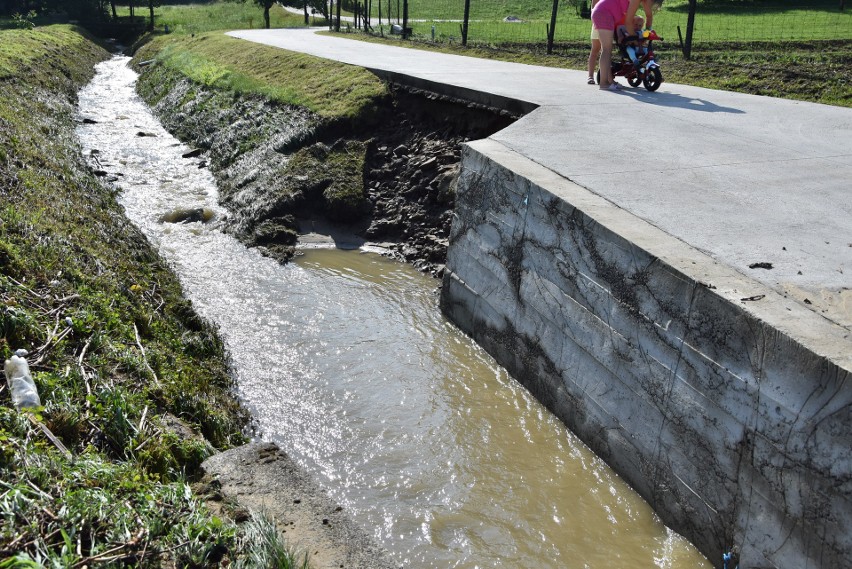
(594, 55)
(606, 58)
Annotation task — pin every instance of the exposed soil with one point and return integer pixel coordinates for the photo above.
(412, 168)
(261, 477)
(388, 178)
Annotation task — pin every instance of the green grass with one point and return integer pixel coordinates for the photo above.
(195, 47)
(265, 548)
(716, 20)
(328, 88)
(116, 351)
(217, 15)
(20, 49)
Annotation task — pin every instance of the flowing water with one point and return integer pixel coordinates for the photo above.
(345, 360)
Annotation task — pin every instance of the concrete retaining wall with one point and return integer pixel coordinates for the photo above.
(727, 415)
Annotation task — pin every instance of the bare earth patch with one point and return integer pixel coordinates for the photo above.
(262, 478)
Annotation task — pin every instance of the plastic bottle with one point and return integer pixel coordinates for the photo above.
(21, 384)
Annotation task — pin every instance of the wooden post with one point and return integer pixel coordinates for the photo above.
(690, 24)
(466, 20)
(551, 31)
(405, 19)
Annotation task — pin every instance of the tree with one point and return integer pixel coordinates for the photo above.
(78, 9)
(310, 6)
(151, 4)
(266, 5)
(320, 6)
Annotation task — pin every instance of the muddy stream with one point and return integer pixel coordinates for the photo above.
(345, 360)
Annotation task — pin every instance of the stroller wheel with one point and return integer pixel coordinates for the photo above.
(653, 79)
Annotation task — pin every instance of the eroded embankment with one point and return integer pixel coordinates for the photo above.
(387, 175)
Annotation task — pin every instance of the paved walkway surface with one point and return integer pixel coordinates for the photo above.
(743, 178)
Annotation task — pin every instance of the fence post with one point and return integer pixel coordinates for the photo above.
(466, 19)
(405, 19)
(690, 23)
(551, 31)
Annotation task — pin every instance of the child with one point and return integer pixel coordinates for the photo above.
(635, 48)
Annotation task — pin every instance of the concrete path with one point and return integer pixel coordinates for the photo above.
(742, 178)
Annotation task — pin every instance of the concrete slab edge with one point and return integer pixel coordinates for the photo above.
(498, 103)
(819, 335)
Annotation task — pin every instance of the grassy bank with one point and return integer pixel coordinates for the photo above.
(135, 387)
(329, 89)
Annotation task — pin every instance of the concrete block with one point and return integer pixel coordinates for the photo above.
(723, 413)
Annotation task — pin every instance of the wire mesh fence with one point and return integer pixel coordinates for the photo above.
(525, 23)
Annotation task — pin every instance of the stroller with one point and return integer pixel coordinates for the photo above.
(639, 47)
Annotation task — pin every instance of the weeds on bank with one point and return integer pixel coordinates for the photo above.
(90, 510)
(265, 547)
(135, 387)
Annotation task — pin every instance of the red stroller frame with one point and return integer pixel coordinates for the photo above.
(646, 70)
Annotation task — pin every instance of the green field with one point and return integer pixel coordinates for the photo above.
(716, 20)
(210, 16)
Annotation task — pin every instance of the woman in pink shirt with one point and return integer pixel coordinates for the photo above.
(606, 16)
